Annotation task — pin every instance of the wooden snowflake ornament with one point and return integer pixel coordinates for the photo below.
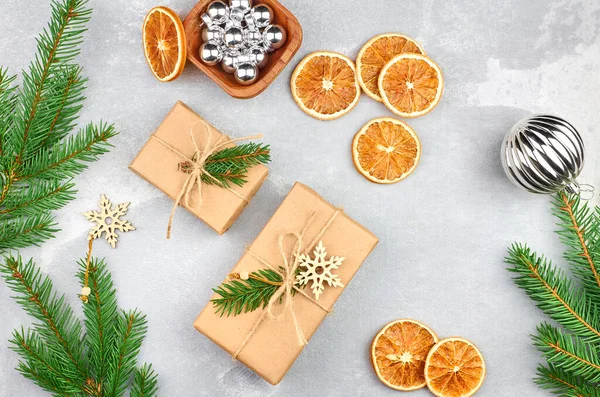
(319, 270)
(108, 221)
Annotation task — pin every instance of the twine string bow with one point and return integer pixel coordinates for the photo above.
(195, 166)
(283, 297)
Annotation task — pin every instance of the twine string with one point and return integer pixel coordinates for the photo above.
(84, 298)
(196, 166)
(287, 271)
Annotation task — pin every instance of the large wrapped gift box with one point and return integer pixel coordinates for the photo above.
(267, 345)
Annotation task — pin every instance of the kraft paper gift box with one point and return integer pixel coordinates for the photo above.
(270, 346)
(159, 163)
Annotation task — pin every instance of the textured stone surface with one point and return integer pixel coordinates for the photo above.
(444, 231)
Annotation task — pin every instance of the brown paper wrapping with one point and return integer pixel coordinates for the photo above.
(274, 347)
(159, 166)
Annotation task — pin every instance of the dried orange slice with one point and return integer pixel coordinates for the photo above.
(399, 351)
(386, 150)
(325, 86)
(376, 53)
(164, 43)
(454, 368)
(411, 85)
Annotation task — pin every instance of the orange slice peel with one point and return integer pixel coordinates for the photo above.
(376, 53)
(164, 43)
(454, 368)
(411, 85)
(325, 86)
(399, 351)
(386, 150)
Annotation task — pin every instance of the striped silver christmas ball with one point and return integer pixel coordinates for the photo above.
(543, 154)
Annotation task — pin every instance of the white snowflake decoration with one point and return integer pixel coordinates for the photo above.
(319, 270)
(108, 221)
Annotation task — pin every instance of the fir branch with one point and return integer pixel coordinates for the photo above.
(564, 384)
(144, 382)
(101, 312)
(554, 293)
(242, 296)
(67, 159)
(57, 46)
(568, 353)
(58, 357)
(231, 165)
(37, 156)
(23, 231)
(578, 226)
(39, 197)
(131, 329)
(57, 324)
(42, 367)
(572, 354)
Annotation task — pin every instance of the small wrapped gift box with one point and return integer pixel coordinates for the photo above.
(175, 141)
(269, 339)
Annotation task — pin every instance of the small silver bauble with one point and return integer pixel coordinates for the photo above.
(246, 73)
(274, 37)
(230, 61)
(241, 5)
(234, 37)
(262, 15)
(218, 11)
(258, 56)
(213, 34)
(210, 53)
(252, 37)
(543, 154)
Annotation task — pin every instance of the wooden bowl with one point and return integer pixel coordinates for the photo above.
(277, 60)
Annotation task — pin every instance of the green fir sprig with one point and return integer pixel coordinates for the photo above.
(231, 165)
(571, 351)
(239, 296)
(38, 152)
(63, 357)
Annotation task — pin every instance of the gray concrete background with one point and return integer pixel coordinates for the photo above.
(444, 231)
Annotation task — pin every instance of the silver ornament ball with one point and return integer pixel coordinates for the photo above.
(241, 5)
(262, 15)
(252, 37)
(229, 61)
(543, 154)
(246, 73)
(234, 37)
(258, 56)
(213, 34)
(274, 37)
(210, 53)
(217, 11)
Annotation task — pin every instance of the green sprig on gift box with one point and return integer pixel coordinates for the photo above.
(244, 294)
(572, 363)
(230, 166)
